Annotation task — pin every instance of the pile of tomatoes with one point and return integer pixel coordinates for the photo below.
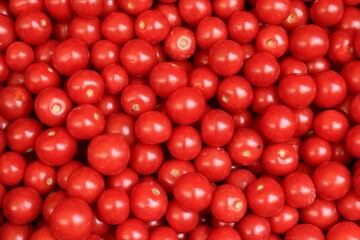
(179, 119)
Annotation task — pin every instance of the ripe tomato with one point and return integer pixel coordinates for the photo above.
(346, 230)
(272, 39)
(113, 206)
(258, 196)
(284, 220)
(253, 226)
(7, 34)
(65, 170)
(86, 29)
(87, 8)
(72, 219)
(226, 233)
(331, 125)
(148, 201)
(152, 26)
(209, 31)
(180, 219)
(40, 177)
(348, 205)
(50, 202)
(132, 229)
(118, 27)
(243, 27)
(204, 79)
(326, 13)
(180, 44)
(19, 56)
(225, 8)
(22, 205)
(272, 11)
(12, 168)
(59, 10)
(304, 231)
(228, 203)
(145, 159)
(16, 231)
(108, 159)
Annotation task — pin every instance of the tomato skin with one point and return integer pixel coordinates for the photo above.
(226, 233)
(72, 219)
(39, 76)
(16, 231)
(304, 231)
(253, 226)
(12, 168)
(272, 12)
(125, 180)
(321, 213)
(132, 229)
(262, 69)
(8, 34)
(86, 29)
(209, 31)
(272, 39)
(179, 109)
(22, 205)
(152, 26)
(85, 121)
(193, 191)
(350, 74)
(297, 91)
(113, 206)
(122, 124)
(279, 159)
(59, 9)
(315, 151)
(50, 202)
(180, 219)
(204, 79)
(19, 55)
(264, 97)
(146, 159)
(43, 233)
(33, 26)
(219, 59)
(341, 49)
(180, 43)
(86, 184)
(135, 7)
(258, 192)
(70, 56)
(138, 57)
(243, 27)
(308, 42)
(326, 13)
(108, 159)
(171, 12)
(40, 176)
(325, 122)
(272, 127)
(148, 201)
(118, 27)
(348, 205)
(192, 12)
(153, 127)
(234, 94)
(225, 8)
(44, 51)
(246, 146)
(344, 230)
(87, 8)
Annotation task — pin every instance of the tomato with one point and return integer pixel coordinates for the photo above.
(19, 56)
(118, 27)
(50, 202)
(65, 170)
(40, 176)
(243, 27)
(213, 163)
(70, 56)
(148, 201)
(209, 31)
(185, 105)
(85, 121)
(7, 34)
(297, 91)
(2, 141)
(137, 99)
(60, 31)
(22, 205)
(226, 233)
(52, 106)
(43, 233)
(279, 159)
(44, 51)
(138, 57)
(167, 77)
(33, 26)
(39, 76)
(87, 8)
(145, 159)
(201, 232)
(246, 146)
(326, 13)
(344, 230)
(304, 231)
(321, 213)
(184, 143)
(298, 16)
(272, 11)
(132, 229)
(316, 151)
(193, 191)
(204, 79)
(86, 29)
(180, 219)
(152, 26)
(348, 205)
(234, 94)
(225, 8)
(171, 12)
(12, 168)
(349, 20)
(125, 180)
(21, 134)
(228, 203)
(308, 42)
(192, 12)
(153, 127)
(258, 193)
(331, 175)
(262, 69)
(180, 43)
(331, 125)
(162, 233)
(341, 48)
(135, 7)
(85, 183)
(170, 171)
(16, 231)
(253, 226)
(350, 74)
(291, 65)
(108, 159)
(284, 220)
(72, 219)
(113, 206)
(59, 9)
(226, 57)
(122, 124)
(264, 97)
(305, 118)
(278, 123)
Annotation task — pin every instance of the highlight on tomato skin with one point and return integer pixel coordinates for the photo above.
(179, 119)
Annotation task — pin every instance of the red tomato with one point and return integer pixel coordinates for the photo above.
(272, 11)
(132, 229)
(326, 13)
(272, 39)
(65, 170)
(59, 9)
(118, 27)
(148, 201)
(39, 76)
(87, 8)
(204, 79)
(108, 159)
(243, 27)
(12, 168)
(22, 205)
(180, 43)
(40, 176)
(349, 206)
(180, 219)
(19, 56)
(331, 125)
(145, 159)
(50, 202)
(344, 230)
(253, 226)
(16, 231)
(122, 124)
(209, 31)
(72, 219)
(86, 29)
(7, 34)
(43, 233)
(113, 206)
(304, 231)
